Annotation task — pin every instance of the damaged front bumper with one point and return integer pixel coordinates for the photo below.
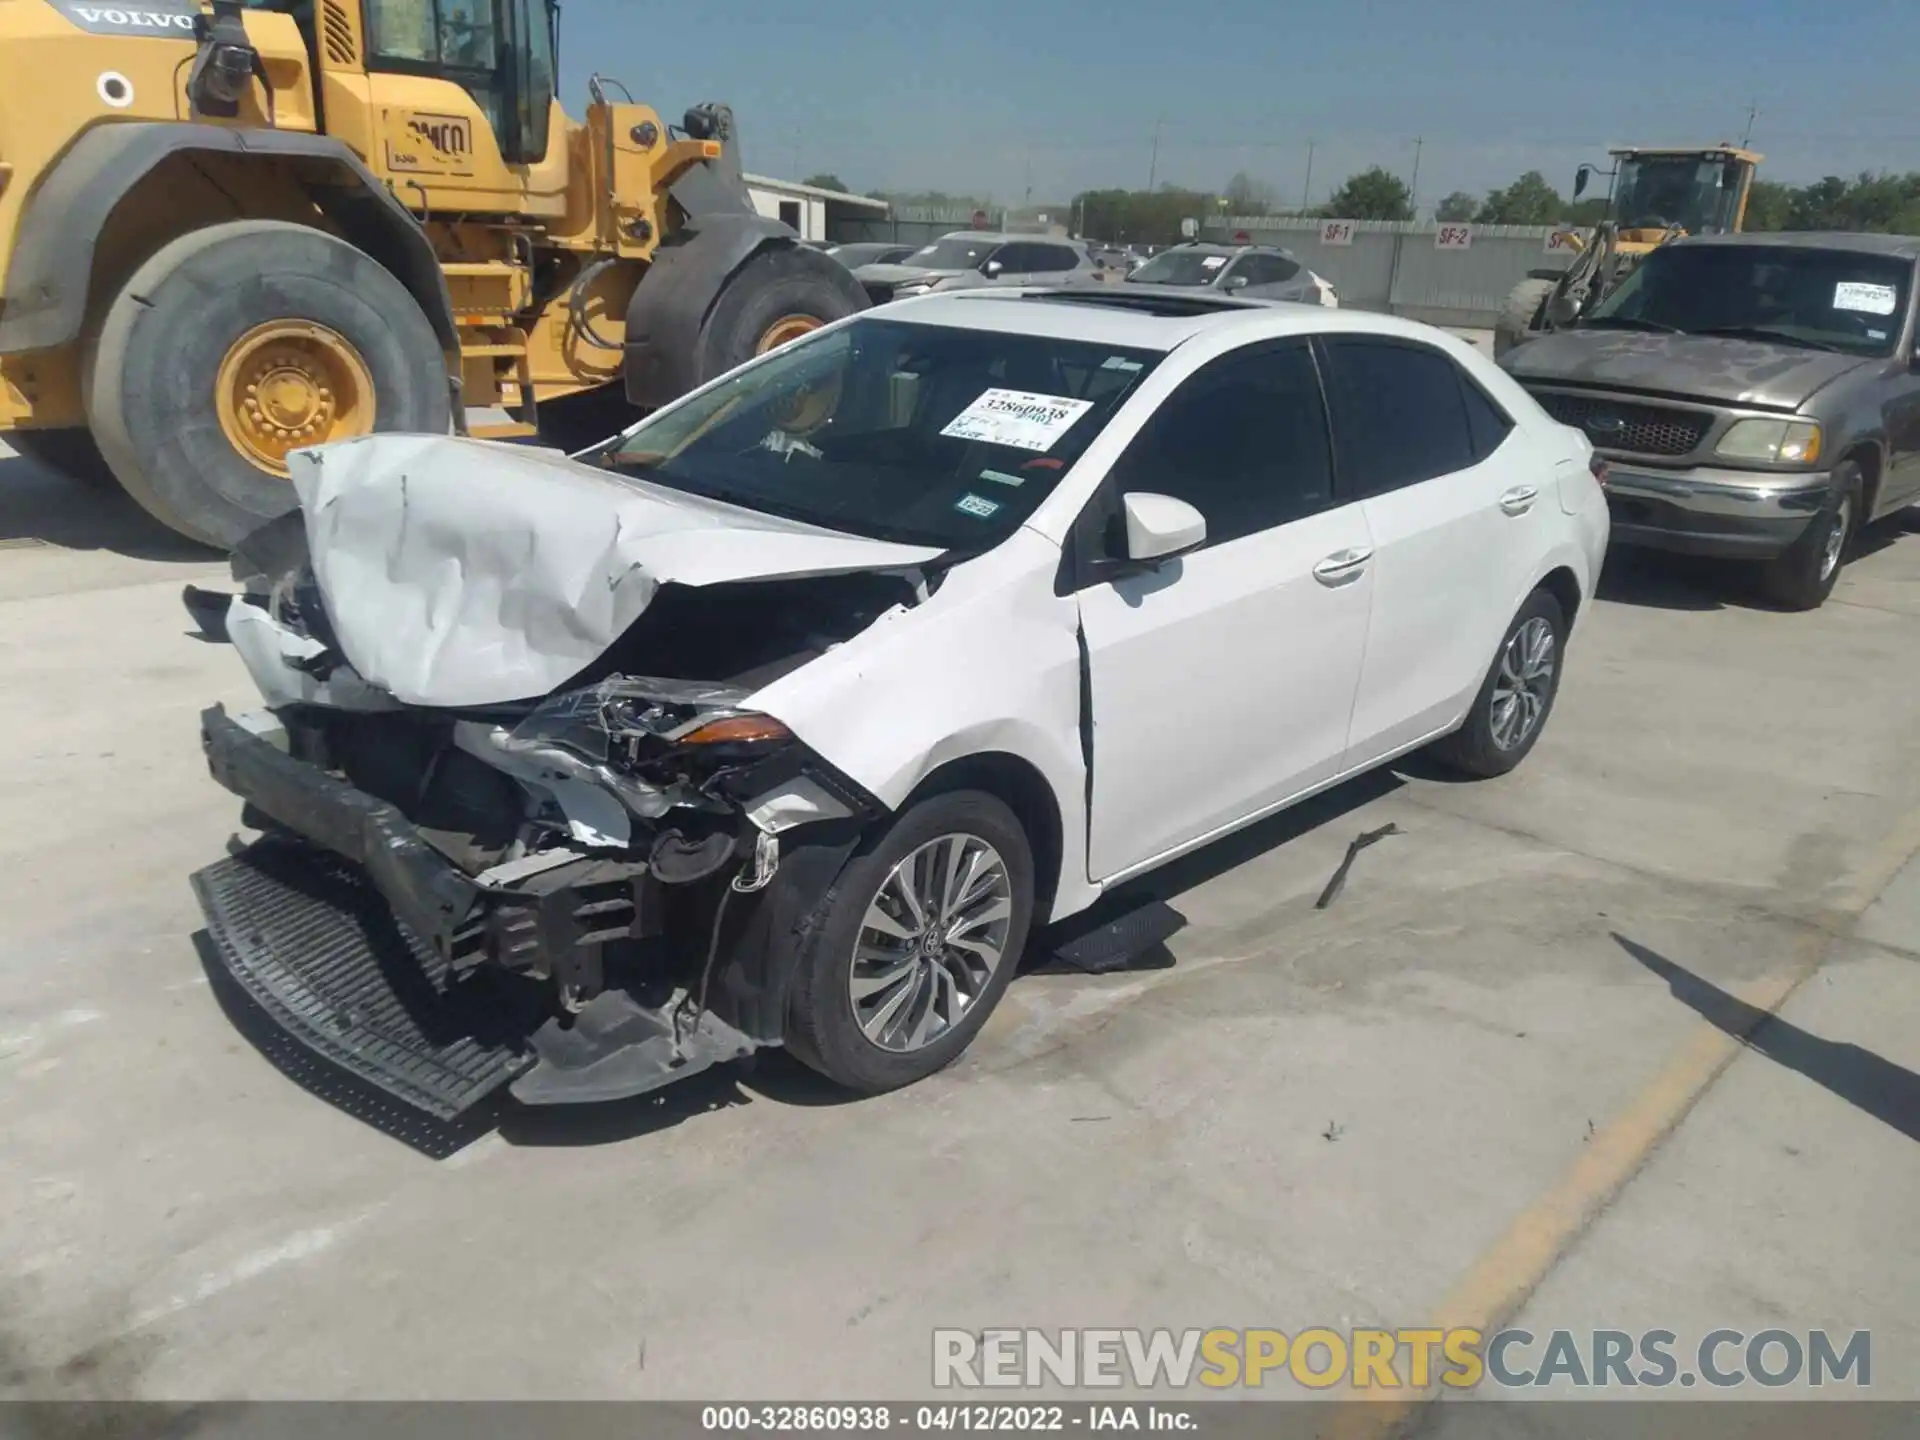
(551, 974)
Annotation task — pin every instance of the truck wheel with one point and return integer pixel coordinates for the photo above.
(240, 343)
(914, 944)
(779, 295)
(70, 452)
(1804, 576)
(1519, 314)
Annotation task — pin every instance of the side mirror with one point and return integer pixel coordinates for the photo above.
(1236, 282)
(992, 268)
(1580, 178)
(1160, 527)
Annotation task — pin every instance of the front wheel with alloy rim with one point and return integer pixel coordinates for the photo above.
(914, 944)
(1517, 696)
(1804, 576)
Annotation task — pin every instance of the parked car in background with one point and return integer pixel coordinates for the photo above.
(912, 636)
(1755, 396)
(856, 253)
(971, 258)
(1259, 272)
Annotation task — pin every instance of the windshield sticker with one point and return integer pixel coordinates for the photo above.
(1019, 419)
(978, 505)
(1000, 477)
(1120, 362)
(1213, 262)
(1865, 298)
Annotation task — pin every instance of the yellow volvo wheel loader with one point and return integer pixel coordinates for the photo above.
(1658, 195)
(234, 230)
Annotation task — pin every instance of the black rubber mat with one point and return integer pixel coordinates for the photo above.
(320, 951)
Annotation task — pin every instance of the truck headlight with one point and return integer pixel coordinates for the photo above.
(1771, 442)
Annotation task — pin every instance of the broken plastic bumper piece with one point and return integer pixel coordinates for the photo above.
(365, 945)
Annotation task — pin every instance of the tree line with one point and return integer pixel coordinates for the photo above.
(1884, 202)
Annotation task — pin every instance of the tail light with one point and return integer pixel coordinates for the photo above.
(1599, 468)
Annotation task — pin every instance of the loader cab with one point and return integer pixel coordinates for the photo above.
(501, 52)
(1698, 191)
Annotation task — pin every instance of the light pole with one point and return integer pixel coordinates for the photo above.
(1413, 190)
(1306, 190)
(1153, 165)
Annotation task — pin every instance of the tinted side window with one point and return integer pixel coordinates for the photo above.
(1398, 415)
(1053, 257)
(1244, 441)
(1486, 421)
(1016, 259)
(1269, 269)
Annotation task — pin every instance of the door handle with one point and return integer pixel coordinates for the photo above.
(1342, 565)
(1519, 500)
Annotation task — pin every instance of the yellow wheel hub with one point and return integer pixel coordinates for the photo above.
(786, 328)
(289, 384)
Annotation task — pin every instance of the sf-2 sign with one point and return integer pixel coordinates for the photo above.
(1453, 237)
(1562, 242)
(1336, 232)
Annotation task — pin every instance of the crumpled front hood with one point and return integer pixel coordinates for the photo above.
(1729, 371)
(462, 572)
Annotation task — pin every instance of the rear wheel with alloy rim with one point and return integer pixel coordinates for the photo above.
(914, 944)
(1804, 576)
(1517, 695)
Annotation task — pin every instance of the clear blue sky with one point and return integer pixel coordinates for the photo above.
(991, 95)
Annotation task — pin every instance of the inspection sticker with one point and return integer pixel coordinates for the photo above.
(1000, 477)
(1120, 362)
(1213, 262)
(1017, 418)
(1867, 299)
(971, 504)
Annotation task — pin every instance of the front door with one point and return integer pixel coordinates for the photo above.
(1222, 682)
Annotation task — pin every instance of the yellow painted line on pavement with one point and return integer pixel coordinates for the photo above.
(1492, 1291)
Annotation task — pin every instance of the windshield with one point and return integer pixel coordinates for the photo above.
(952, 255)
(1660, 192)
(1819, 299)
(922, 434)
(1181, 267)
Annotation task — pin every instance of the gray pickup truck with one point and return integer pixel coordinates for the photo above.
(1755, 396)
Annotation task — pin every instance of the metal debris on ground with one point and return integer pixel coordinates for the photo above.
(1339, 880)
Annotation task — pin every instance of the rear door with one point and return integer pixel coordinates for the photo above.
(1456, 521)
(1221, 682)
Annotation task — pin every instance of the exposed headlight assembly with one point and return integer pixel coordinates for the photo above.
(1771, 442)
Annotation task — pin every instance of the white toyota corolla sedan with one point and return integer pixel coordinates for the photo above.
(797, 713)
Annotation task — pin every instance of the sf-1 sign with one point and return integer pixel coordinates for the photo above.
(1336, 232)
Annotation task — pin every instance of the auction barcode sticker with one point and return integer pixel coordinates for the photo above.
(1865, 298)
(1020, 419)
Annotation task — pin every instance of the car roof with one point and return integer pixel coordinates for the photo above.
(1002, 236)
(1219, 247)
(1140, 317)
(1902, 246)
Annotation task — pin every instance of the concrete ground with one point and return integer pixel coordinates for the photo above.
(1465, 1092)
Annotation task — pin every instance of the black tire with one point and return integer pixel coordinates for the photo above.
(573, 422)
(782, 281)
(822, 1029)
(1476, 748)
(1517, 317)
(151, 376)
(1804, 575)
(70, 452)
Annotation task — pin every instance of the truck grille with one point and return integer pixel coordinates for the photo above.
(1623, 425)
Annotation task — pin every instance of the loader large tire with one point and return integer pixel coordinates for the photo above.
(779, 295)
(239, 343)
(1521, 310)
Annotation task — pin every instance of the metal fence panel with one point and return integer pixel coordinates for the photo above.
(1398, 266)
